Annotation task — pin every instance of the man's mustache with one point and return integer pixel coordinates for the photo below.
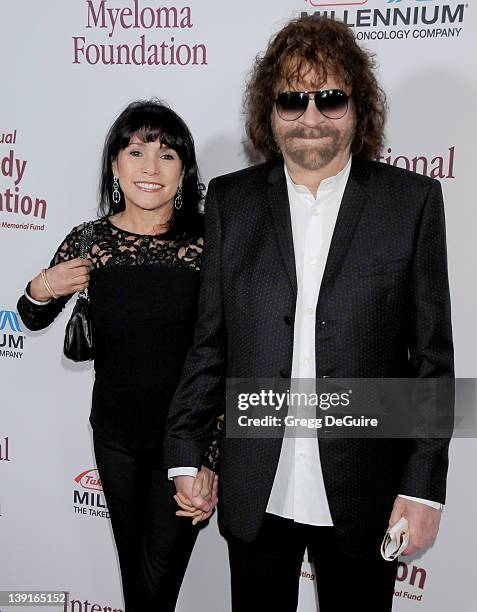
(303, 133)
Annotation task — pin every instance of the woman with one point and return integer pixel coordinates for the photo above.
(143, 277)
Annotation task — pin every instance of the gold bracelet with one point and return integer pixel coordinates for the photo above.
(47, 285)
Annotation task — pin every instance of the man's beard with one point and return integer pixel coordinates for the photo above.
(321, 148)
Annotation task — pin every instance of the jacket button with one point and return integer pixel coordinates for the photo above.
(287, 319)
(284, 374)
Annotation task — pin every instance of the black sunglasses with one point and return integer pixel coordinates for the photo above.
(332, 103)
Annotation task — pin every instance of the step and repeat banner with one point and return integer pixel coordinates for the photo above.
(68, 68)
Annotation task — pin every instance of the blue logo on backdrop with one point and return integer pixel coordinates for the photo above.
(11, 340)
(11, 318)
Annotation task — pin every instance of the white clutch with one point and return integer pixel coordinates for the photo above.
(396, 540)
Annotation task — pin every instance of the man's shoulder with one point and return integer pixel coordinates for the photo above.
(393, 176)
(252, 176)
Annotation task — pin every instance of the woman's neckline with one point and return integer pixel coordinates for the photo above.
(164, 235)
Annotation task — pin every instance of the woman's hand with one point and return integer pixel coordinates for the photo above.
(65, 278)
(205, 485)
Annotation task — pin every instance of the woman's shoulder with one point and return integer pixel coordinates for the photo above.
(186, 250)
(71, 245)
(94, 224)
(194, 243)
(78, 230)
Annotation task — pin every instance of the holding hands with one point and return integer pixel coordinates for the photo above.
(197, 497)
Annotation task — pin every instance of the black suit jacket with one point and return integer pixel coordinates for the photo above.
(383, 311)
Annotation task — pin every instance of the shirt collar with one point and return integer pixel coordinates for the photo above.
(328, 184)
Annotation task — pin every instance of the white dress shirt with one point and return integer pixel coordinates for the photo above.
(298, 490)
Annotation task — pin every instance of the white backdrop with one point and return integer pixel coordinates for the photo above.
(54, 116)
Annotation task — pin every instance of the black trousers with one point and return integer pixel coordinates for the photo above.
(154, 545)
(266, 573)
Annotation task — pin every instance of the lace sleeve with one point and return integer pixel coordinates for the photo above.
(210, 458)
(69, 248)
(37, 317)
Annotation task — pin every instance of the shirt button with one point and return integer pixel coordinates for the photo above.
(315, 211)
(310, 311)
(306, 361)
(302, 456)
(313, 261)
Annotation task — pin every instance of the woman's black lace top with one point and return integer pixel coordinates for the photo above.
(143, 292)
(111, 246)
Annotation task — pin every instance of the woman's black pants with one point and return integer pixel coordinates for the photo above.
(154, 545)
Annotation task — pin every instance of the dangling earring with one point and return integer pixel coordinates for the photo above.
(116, 192)
(178, 198)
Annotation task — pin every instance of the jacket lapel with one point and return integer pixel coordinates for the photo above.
(279, 206)
(352, 204)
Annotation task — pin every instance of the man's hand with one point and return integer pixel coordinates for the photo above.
(203, 484)
(423, 523)
(196, 496)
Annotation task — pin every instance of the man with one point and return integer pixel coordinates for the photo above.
(318, 263)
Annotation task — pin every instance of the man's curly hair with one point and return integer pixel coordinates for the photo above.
(325, 46)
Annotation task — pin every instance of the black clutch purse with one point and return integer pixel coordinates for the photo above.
(78, 345)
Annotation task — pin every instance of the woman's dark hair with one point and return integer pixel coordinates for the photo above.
(326, 46)
(153, 120)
